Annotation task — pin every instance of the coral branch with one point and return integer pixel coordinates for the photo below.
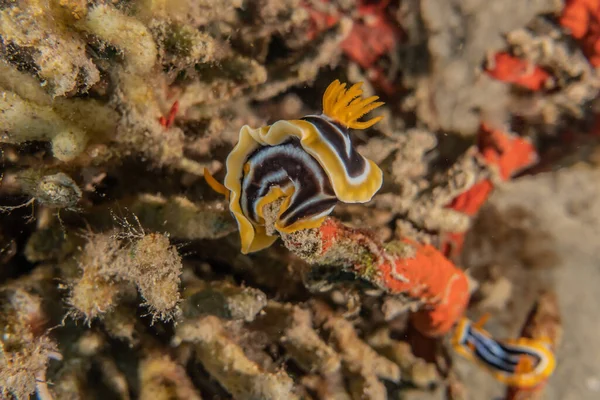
(59, 53)
(505, 155)
(406, 267)
(162, 379)
(125, 33)
(25, 120)
(414, 369)
(292, 326)
(362, 365)
(182, 218)
(354, 351)
(226, 362)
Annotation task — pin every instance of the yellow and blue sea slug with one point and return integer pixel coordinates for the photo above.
(522, 362)
(309, 163)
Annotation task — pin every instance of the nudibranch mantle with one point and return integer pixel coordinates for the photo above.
(523, 362)
(309, 162)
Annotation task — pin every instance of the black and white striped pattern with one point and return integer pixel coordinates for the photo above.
(337, 138)
(284, 165)
(502, 358)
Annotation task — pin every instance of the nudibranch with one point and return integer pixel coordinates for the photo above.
(522, 362)
(309, 164)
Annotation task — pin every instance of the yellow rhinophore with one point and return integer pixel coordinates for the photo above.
(347, 106)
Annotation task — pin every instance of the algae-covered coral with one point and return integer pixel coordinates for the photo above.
(120, 269)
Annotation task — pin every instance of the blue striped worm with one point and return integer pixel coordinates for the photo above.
(522, 362)
(308, 163)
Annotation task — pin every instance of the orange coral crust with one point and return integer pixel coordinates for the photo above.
(168, 121)
(517, 71)
(471, 201)
(445, 287)
(505, 152)
(509, 153)
(582, 18)
(372, 37)
(428, 275)
(374, 34)
(319, 21)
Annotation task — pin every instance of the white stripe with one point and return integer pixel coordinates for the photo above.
(354, 181)
(282, 151)
(313, 200)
